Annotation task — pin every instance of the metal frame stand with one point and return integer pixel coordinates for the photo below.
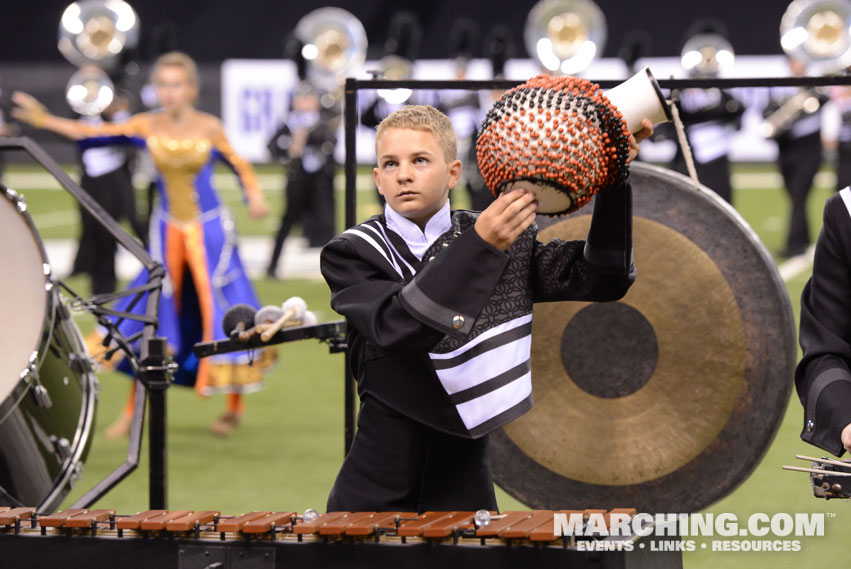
(351, 120)
(155, 373)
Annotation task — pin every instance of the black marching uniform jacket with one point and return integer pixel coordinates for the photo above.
(446, 341)
(823, 377)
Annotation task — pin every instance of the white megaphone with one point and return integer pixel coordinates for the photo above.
(640, 97)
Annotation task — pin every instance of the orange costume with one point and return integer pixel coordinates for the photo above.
(192, 234)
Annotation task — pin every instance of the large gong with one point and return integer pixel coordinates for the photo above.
(667, 399)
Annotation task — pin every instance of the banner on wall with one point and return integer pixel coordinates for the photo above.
(255, 99)
(256, 93)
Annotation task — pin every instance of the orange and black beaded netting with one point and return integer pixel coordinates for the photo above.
(560, 132)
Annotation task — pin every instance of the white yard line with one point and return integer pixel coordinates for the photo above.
(304, 265)
(297, 261)
(66, 217)
(29, 181)
(791, 268)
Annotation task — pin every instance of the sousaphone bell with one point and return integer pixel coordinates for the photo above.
(565, 35)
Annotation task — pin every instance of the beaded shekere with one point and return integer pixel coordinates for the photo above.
(559, 133)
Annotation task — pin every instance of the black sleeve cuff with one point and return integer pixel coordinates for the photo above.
(609, 242)
(828, 410)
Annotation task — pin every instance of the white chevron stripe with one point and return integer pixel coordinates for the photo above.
(376, 246)
(485, 366)
(480, 409)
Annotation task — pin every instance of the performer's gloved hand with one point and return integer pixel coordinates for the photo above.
(846, 437)
(507, 217)
(258, 208)
(636, 137)
(29, 110)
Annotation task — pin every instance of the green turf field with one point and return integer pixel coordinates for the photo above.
(287, 452)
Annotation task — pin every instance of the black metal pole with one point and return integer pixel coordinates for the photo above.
(716, 83)
(351, 123)
(351, 166)
(155, 373)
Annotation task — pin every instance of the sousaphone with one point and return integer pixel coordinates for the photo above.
(667, 399)
(93, 35)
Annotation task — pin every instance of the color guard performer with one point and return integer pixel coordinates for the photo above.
(191, 232)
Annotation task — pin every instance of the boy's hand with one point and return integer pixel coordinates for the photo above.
(506, 218)
(846, 437)
(638, 136)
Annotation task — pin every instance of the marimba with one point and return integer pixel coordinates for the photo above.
(206, 539)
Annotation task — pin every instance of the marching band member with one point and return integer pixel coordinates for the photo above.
(305, 142)
(799, 153)
(710, 117)
(438, 300)
(107, 178)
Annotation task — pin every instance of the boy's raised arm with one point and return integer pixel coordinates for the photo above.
(444, 297)
(600, 269)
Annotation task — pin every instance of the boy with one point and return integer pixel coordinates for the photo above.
(439, 307)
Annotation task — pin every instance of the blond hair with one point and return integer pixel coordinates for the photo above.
(178, 59)
(424, 118)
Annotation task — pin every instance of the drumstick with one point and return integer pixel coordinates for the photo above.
(294, 309)
(253, 331)
(841, 463)
(816, 471)
(262, 318)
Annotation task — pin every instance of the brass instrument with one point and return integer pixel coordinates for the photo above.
(804, 102)
(565, 35)
(92, 35)
(705, 55)
(96, 32)
(334, 46)
(334, 42)
(816, 34)
(89, 91)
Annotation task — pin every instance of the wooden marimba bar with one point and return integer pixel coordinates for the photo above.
(187, 539)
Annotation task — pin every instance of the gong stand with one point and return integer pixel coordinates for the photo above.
(152, 371)
(538, 481)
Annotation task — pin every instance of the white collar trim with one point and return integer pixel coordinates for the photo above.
(419, 241)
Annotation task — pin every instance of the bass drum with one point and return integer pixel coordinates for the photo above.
(47, 388)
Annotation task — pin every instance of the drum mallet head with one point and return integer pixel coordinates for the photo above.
(293, 309)
(237, 318)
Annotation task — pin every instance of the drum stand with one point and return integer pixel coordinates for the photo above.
(152, 369)
(155, 373)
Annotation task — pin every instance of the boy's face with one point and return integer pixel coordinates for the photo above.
(412, 173)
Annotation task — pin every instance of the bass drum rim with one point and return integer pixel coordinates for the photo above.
(72, 467)
(56, 315)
